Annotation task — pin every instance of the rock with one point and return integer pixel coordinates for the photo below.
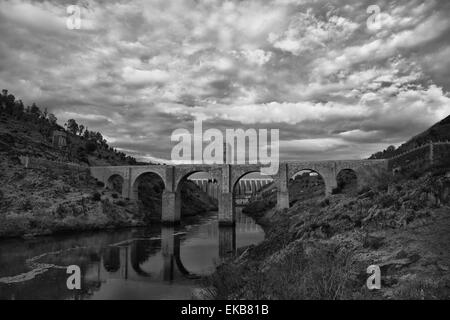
(203, 294)
(373, 242)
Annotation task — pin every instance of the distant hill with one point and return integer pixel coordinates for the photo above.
(438, 132)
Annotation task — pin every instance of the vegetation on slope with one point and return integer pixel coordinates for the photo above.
(438, 132)
(320, 248)
(48, 199)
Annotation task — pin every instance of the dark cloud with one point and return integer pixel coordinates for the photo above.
(137, 70)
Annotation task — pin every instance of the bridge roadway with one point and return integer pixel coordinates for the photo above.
(227, 176)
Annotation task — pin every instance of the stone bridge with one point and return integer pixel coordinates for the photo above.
(227, 176)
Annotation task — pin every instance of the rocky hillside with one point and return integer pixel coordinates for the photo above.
(320, 248)
(438, 132)
(50, 199)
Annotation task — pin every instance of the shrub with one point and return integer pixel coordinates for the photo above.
(96, 196)
(26, 204)
(386, 200)
(120, 203)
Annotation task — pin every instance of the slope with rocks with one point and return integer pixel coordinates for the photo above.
(320, 248)
(48, 199)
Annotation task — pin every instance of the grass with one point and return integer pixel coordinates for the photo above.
(323, 274)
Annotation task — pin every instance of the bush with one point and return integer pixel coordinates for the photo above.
(120, 203)
(100, 184)
(96, 196)
(91, 147)
(386, 201)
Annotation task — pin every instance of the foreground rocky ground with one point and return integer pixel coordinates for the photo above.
(320, 248)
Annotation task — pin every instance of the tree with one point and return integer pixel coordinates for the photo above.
(19, 109)
(35, 110)
(80, 130)
(45, 113)
(9, 103)
(52, 119)
(72, 126)
(86, 134)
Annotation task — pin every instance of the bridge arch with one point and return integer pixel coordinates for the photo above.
(242, 187)
(149, 187)
(181, 180)
(347, 180)
(306, 182)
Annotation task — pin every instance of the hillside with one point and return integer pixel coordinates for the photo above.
(320, 247)
(54, 198)
(438, 132)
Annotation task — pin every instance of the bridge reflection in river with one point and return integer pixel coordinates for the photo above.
(146, 263)
(137, 259)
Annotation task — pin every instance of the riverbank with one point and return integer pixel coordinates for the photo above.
(321, 248)
(45, 201)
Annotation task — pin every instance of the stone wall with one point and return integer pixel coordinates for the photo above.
(420, 157)
(39, 163)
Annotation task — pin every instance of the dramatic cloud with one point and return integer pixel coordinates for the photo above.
(337, 81)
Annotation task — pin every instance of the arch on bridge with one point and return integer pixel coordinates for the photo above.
(306, 183)
(183, 180)
(149, 187)
(115, 183)
(242, 189)
(347, 180)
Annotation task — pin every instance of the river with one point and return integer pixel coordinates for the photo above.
(157, 262)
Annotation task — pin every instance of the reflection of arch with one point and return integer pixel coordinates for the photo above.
(170, 244)
(111, 259)
(139, 254)
(115, 182)
(347, 180)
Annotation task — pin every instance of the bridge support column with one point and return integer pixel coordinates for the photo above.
(226, 205)
(282, 187)
(330, 184)
(126, 189)
(226, 209)
(227, 241)
(171, 209)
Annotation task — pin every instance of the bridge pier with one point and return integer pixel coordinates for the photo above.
(330, 184)
(171, 207)
(282, 187)
(226, 209)
(226, 200)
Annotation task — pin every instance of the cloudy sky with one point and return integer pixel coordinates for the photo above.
(339, 81)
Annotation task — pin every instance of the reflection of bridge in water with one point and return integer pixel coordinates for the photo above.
(125, 260)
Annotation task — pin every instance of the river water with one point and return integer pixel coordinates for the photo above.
(157, 262)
